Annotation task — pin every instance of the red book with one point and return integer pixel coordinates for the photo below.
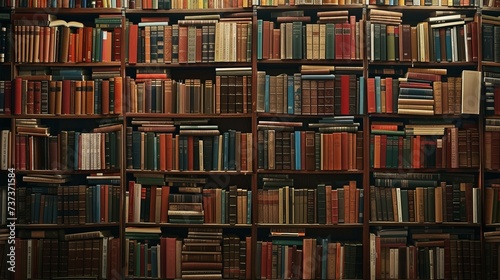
(170, 258)
(165, 192)
(388, 95)
(339, 46)
(383, 151)
(117, 34)
(496, 96)
(30, 102)
(344, 95)
(474, 41)
(87, 49)
(423, 76)
(18, 84)
(335, 207)
(266, 42)
(107, 43)
(337, 151)
(105, 97)
(263, 262)
(22, 152)
(416, 152)
(346, 41)
(248, 267)
(8, 98)
(269, 260)
(370, 89)
(345, 152)
(118, 95)
(183, 44)
(38, 97)
(132, 43)
(190, 150)
(72, 47)
(131, 201)
(303, 150)
(169, 145)
(66, 97)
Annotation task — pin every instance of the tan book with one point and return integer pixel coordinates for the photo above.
(415, 107)
(416, 101)
(416, 112)
(438, 106)
(471, 92)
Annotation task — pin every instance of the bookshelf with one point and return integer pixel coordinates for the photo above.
(239, 125)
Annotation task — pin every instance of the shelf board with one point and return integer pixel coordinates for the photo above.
(445, 170)
(327, 226)
(278, 62)
(69, 116)
(64, 226)
(3, 116)
(492, 117)
(404, 116)
(189, 116)
(188, 11)
(204, 225)
(191, 65)
(311, 7)
(314, 172)
(493, 225)
(71, 64)
(289, 117)
(422, 64)
(60, 11)
(412, 224)
(494, 171)
(187, 172)
(491, 9)
(68, 172)
(423, 8)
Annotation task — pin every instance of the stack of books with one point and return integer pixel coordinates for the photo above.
(201, 254)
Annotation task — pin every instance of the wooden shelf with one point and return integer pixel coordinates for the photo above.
(289, 117)
(70, 11)
(411, 224)
(187, 11)
(423, 8)
(64, 226)
(490, 63)
(192, 172)
(70, 64)
(174, 225)
(63, 172)
(432, 170)
(298, 62)
(494, 171)
(69, 116)
(3, 116)
(318, 226)
(314, 172)
(422, 64)
(312, 7)
(434, 117)
(188, 116)
(191, 65)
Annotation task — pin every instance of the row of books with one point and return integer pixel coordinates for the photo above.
(193, 149)
(169, 257)
(491, 250)
(309, 150)
(308, 258)
(296, 38)
(68, 204)
(310, 94)
(450, 147)
(63, 42)
(48, 258)
(68, 150)
(158, 204)
(190, 41)
(491, 144)
(69, 4)
(438, 39)
(457, 202)
(418, 94)
(227, 94)
(434, 259)
(64, 97)
(323, 205)
(6, 151)
(491, 84)
(491, 35)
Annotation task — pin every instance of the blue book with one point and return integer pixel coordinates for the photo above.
(361, 105)
(297, 151)
(378, 102)
(215, 153)
(318, 77)
(154, 262)
(448, 44)
(267, 95)
(249, 207)
(137, 259)
(324, 257)
(290, 94)
(437, 45)
(232, 150)
(260, 27)
(225, 146)
(136, 149)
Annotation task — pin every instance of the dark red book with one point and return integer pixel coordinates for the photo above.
(339, 46)
(66, 97)
(346, 41)
(30, 101)
(18, 84)
(38, 98)
(370, 90)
